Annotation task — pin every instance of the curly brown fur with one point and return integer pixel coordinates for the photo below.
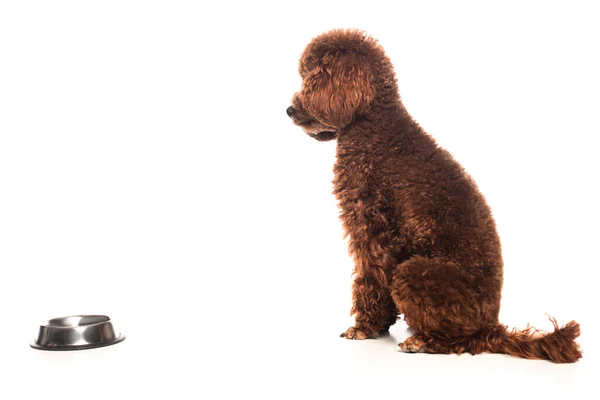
(421, 234)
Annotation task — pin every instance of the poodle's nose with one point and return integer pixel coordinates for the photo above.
(290, 111)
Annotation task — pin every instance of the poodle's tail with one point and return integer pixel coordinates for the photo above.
(558, 346)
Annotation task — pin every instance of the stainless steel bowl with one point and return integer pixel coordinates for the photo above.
(77, 332)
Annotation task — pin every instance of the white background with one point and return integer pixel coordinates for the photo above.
(148, 171)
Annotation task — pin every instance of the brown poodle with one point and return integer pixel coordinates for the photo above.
(421, 234)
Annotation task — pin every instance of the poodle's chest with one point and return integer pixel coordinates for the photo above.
(357, 186)
(351, 181)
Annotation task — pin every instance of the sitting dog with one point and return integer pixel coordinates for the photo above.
(421, 234)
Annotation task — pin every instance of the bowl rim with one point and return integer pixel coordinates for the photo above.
(102, 319)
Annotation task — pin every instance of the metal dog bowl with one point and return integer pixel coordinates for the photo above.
(77, 332)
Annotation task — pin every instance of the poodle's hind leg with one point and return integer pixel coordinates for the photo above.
(413, 344)
(373, 308)
(443, 302)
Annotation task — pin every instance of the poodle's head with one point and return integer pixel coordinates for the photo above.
(338, 82)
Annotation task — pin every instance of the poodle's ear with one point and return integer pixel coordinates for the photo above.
(338, 88)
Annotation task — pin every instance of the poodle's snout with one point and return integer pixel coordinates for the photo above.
(290, 111)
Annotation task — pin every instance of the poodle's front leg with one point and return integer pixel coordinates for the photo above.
(373, 308)
(371, 227)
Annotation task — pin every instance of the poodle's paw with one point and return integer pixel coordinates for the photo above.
(412, 344)
(358, 334)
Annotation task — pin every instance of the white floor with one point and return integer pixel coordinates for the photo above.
(289, 356)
